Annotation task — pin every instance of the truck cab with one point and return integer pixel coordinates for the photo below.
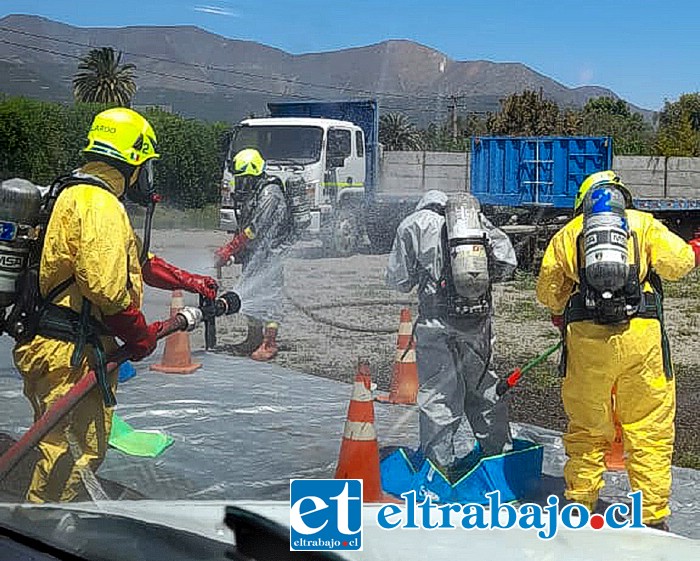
(328, 154)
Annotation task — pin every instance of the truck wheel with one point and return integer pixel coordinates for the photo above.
(525, 247)
(381, 236)
(342, 240)
(381, 243)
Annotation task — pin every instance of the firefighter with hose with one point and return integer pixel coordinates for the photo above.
(81, 286)
(601, 279)
(265, 223)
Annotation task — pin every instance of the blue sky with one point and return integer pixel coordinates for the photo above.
(643, 50)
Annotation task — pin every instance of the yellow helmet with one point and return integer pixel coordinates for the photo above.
(607, 177)
(122, 134)
(248, 162)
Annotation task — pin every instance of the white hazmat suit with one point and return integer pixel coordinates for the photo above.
(453, 354)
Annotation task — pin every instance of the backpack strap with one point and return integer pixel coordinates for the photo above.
(54, 321)
(650, 305)
(57, 187)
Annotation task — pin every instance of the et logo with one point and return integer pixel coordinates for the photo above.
(325, 514)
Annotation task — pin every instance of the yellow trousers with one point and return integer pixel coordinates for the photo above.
(79, 442)
(598, 358)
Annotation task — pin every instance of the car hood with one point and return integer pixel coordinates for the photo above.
(205, 518)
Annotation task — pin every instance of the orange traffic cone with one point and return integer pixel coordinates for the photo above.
(359, 452)
(177, 357)
(404, 382)
(615, 456)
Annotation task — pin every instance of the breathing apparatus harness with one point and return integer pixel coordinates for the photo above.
(588, 304)
(34, 315)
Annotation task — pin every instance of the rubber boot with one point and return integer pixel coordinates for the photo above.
(268, 349)
(659, 525)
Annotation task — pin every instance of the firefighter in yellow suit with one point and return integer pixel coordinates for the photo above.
(91, 278)
(629, 355)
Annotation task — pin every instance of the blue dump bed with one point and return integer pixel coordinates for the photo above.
(527, 171)
(363, 113)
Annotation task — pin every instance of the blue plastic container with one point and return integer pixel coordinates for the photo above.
(516, 474)
(126, 371)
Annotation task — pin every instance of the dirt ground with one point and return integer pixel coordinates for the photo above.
(354, 292)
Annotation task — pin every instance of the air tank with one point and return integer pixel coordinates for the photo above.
(605, 234)
(300, 206)
(467, 246)
(20, 203)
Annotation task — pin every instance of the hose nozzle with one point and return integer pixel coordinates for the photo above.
(227, 304)
(191, 316)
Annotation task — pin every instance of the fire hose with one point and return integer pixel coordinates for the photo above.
(186, 319)
(310, 310)
(507, 383)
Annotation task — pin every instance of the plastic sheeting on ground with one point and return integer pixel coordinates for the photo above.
(242, 429)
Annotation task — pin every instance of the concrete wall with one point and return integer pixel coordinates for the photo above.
(644, 175)
(683, 178)
(654, 177)
(417, 172)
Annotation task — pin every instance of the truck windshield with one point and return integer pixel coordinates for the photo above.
(281, 143)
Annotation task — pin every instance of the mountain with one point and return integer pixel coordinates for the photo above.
(205, 75)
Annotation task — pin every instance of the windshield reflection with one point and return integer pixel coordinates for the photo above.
(281, 144)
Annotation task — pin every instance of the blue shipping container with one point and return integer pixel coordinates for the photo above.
(527, 171)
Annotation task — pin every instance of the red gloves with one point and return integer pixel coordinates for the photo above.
(695, 244)
(233, 248)
(130, 326)
(161, 274)
(558, 322)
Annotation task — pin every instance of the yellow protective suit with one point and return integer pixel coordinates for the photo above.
(89, 236)
(629, 357)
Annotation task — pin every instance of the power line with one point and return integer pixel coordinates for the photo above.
(239, 72)
(158, 73)
(403, 108)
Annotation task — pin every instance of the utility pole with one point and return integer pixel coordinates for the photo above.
(453, 116)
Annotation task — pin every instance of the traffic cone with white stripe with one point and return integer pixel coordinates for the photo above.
(404, 382)
(359, 452)
(615, 456)
(177, 356)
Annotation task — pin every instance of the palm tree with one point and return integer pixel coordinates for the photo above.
(101, 78)
(396, 132)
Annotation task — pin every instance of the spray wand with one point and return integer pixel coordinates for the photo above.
(506, 384)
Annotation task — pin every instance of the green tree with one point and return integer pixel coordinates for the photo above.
(612, 117)
(679, 127)
(396, 132)
(102, 78)
(569, 123)
(31, 139)
(438, 137)
(40, 141)
(526, 114)
(188, 173)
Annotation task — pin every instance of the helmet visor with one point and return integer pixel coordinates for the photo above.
(143, 190)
